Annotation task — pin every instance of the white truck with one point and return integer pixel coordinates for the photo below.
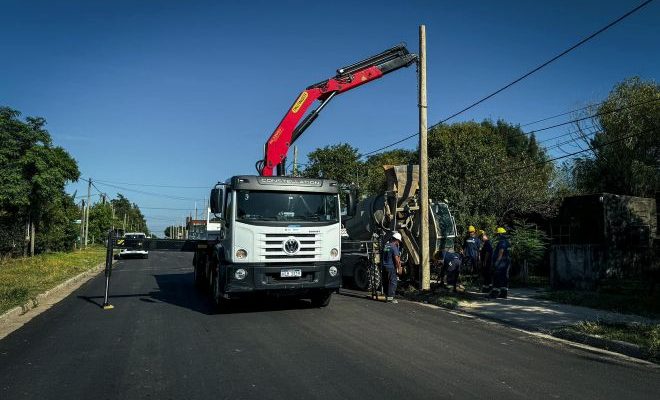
(275, 235)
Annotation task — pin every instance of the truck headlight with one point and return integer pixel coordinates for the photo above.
(240, 274)
(333, 271)
(334, 253)
(241, 254)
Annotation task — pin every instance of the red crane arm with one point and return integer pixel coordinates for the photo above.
(347, 78)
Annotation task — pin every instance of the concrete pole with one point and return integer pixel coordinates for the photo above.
(423, 164)
(82, 222)
(89, 194)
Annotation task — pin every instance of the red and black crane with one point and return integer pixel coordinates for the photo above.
(347, 78)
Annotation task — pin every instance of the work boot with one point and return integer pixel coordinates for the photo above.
(503, 293)
(392, 300)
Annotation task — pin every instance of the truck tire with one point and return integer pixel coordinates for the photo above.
(198, 276)
(219, 302)
(366, 276)
(360, 278)
(321, 298)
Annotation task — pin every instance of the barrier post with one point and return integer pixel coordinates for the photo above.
(108, 269)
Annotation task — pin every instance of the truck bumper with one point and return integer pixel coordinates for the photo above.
(267, 278)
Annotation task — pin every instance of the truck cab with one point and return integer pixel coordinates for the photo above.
(276, 235)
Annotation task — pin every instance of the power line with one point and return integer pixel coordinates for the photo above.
(167, 196)
(151, 185)
(553, 59)
(564, 113)
(572, 154)
(536, 130)
(508, 85)
(165, 208)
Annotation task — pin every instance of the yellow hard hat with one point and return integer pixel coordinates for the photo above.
(482, 232)
(471, 229)
(501, 230)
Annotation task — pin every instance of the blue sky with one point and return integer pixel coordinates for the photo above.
(186, 93)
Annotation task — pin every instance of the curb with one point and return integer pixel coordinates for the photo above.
(616, 346)
(43, 297)
(591, 347)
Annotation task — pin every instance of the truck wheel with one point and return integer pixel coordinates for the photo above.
(198, 275)
(360, 278)
(219, 302)
(321, 298)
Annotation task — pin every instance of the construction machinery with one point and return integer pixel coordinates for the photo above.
(276, 234)
(397, 209)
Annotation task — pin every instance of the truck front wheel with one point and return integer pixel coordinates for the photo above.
(321, 298)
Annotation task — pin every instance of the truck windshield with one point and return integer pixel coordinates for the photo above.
(278, 206)
(444, 220)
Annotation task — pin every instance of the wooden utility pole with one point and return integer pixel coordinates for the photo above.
(89, 194)
(423, 164)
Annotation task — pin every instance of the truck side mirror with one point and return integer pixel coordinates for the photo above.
(217, 201)
(351, 202)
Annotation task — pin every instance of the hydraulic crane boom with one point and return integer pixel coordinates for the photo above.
(347, 78)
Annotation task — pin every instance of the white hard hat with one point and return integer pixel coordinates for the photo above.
(396, 235)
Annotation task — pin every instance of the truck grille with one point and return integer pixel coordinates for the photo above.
(271, 247)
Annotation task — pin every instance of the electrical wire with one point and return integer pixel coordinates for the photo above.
(591, 148)
(508, 85)
(151, 193)
(151, 185)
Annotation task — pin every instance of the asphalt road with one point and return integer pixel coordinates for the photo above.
(163, 341)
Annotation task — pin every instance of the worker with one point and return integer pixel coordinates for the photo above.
(453, 262)
(486, 263)
(502, 264)
(391, 264)
(471, 247)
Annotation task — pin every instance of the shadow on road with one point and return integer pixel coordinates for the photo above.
(178, 289)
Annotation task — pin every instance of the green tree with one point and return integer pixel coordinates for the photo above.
(34, 173)
(625, 152)
(374, 181)
(340, 162)
(490, 173)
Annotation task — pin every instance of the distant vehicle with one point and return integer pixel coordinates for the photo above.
(134, 242)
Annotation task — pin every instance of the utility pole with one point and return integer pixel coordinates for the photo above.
(124, 226)
(82, 222)
(423, 163)
(295, 161)
(89, 194)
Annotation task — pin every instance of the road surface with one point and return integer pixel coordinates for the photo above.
(163, 341)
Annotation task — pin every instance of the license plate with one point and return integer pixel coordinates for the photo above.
(290, 273)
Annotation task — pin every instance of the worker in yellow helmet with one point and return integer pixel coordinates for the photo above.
(502, 262)
(471, 247)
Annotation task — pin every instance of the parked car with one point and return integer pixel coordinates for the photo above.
(134, 243)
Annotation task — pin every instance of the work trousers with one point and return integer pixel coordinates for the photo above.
(389, 284)
(501, 278)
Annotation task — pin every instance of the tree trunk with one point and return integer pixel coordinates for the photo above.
(32, 234)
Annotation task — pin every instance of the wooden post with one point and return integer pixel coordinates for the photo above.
(423, 165)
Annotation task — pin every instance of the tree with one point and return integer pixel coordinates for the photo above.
(489, 173)
(34, 173)
(374, 180)
(340, 162)
(625, 155)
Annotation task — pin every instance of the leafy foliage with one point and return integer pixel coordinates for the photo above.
(630, 119)
(34, 173)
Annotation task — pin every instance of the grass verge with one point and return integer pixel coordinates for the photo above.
(22, 279)
(646, 336)
(640, 303)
